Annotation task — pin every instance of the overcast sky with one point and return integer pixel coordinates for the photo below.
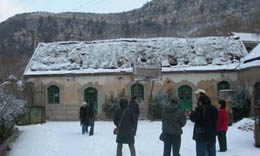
(9, 8)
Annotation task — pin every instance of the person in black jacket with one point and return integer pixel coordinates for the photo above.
(205, 117)
(91, 117)
(124, 120)
(83, 118)
(173, 119)
(135, 108)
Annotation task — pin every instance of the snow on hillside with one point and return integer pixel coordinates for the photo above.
(65, 139)
(120, 55)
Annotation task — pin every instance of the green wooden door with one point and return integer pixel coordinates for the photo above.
(185, 97)
(91, 94)
(138, 91)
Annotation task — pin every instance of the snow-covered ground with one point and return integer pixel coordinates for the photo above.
(65, 139)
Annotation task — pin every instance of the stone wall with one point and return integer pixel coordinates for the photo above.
(72, 89)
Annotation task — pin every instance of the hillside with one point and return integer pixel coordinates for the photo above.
(20, 34)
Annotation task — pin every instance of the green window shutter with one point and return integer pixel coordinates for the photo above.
(53, 95)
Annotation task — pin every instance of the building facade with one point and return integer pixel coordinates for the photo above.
(65, 74)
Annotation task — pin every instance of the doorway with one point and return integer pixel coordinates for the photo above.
(91, 94)
(185, 97)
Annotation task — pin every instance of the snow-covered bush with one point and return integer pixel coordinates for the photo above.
(10, 110)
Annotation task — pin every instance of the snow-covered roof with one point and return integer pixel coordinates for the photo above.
(252, 59)
(106, 56)
(247, 37)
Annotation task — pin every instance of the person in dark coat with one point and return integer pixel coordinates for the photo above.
(83, 118)
(222, 126)
(91, 117)
(124, 119)
(205, 117)
(173, 119)
(135, 108)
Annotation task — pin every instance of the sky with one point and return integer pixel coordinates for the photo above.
(9, 8)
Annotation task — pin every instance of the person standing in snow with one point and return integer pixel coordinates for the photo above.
(173, 119)
(135, 108)
(83, 117)
(222, 126)
(205, 117)
(91, 114)
(124, 120)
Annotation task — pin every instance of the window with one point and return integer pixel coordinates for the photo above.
(138, 90)
(223, 85)
(53, 95)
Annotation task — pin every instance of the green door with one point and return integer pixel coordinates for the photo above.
(185, 97)
(91, 94)
(138, 91)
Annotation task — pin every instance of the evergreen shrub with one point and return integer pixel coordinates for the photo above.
(10, 111)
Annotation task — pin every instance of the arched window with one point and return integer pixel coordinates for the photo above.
(223, 85)
(138, 90)
(53, 95)
(185, 97)
(91, 94)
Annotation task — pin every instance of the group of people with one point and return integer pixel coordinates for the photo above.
(87, 117)
(209, 123)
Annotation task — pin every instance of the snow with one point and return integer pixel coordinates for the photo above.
(6, 83)
(11, 78)
(247, 37)
(117, 55)
(65, 139)
(249, 61)
(255, 53)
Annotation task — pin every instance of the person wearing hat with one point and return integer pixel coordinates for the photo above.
(199, 92)
(173, 119)
(83, 117)
(205, 117)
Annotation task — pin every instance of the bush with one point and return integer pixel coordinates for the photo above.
(110, 106)
(10, 111)
(155, 108)
(241, 105)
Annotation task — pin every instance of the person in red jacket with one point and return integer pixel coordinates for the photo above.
(222, 126)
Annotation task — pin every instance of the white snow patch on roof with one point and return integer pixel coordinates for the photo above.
(247, 37)
(252, 59)
(103, 56)
(255, 53)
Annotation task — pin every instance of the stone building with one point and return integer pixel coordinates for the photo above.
(64, 74)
